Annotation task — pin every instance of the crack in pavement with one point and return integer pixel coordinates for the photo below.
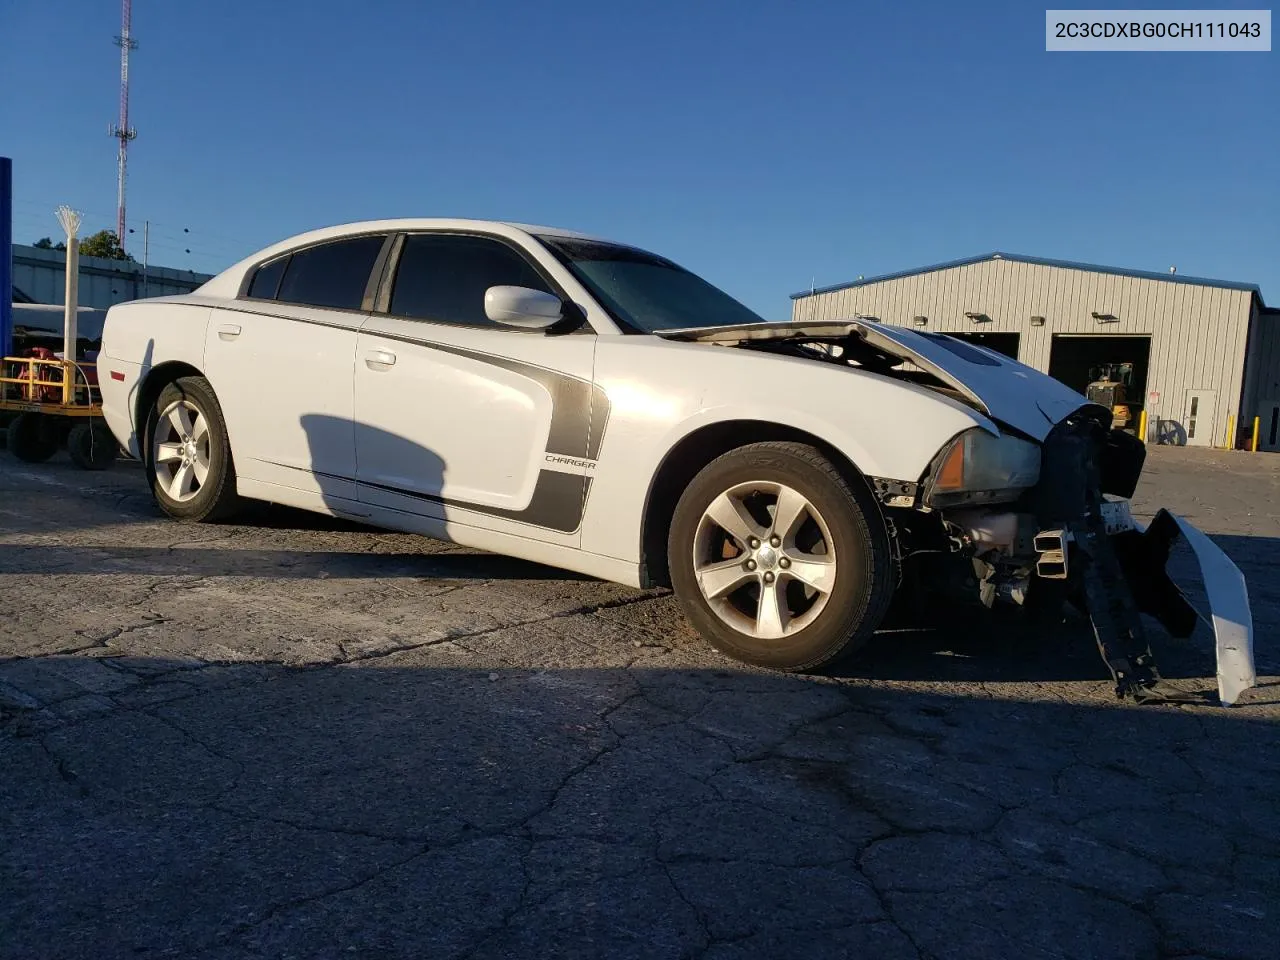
(1159, 816)
(275, 910)
(486, 631)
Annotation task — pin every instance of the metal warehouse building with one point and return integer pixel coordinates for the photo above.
(1203, 352)
(39, 276)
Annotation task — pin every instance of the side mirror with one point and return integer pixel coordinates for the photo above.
(522, 307)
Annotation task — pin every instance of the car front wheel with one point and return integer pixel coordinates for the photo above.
(188, 454)
(778, 559)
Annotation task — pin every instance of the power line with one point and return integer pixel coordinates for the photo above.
(180, 234)
(195, 247)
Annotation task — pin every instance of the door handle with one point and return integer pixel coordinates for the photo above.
(228, 331)
(379, 359)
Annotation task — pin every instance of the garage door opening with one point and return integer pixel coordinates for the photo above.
(1078, 361)
(1006, 343)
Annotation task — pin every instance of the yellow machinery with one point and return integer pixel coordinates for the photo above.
(1108, 387)
(54, 401)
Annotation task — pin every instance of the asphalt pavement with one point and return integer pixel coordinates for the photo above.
(302, 738)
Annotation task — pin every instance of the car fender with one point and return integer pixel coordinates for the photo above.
(907, 460)
(659, 393)
(138, 337)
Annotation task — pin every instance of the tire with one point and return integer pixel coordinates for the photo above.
(839, 541)
(91, 445)
(208, 453)
(33, 437)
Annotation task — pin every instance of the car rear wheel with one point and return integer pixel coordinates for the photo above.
(188, 454)
(778, 559)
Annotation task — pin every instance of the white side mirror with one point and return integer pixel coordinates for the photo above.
(522, 307)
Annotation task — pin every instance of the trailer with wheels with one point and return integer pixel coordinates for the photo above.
(55, 402)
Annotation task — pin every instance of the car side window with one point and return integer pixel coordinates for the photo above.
(266, 281)
(443, 278)
(330, 275)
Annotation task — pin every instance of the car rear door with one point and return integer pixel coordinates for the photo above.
(281, 362)
(460, 419)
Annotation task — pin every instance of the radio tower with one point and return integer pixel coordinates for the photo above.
(123, 132)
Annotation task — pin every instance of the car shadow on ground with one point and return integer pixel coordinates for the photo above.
(404, 809)
(967, 648)
(232, 561)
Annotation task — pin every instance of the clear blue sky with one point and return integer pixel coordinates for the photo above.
(760, 144)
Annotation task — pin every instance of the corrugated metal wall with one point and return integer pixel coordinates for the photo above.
(1198, 333)
(40, 274)
(1262, 389)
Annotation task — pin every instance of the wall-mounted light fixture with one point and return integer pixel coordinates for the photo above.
(977, 317)
(1037, 321)
(1105, 317)
(920, 321)
(866, 316)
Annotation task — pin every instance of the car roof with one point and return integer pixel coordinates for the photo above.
(227, 283)
(426, 223)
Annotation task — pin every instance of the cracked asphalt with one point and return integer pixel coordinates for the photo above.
(302, 738)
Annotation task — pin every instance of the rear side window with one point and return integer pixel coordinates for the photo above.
(331, 275)
(443, 278)
(267, 280)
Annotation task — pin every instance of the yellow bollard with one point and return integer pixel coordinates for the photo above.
(1257, 422)
(1231, 432)
(1142, 425)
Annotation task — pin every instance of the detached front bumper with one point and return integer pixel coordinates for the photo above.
(1121, 573)
(1143, 556)
(1071, 538)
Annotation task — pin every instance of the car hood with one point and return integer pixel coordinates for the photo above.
(1007, 391)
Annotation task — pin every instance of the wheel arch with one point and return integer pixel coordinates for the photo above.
(693, 452)
(157, 378)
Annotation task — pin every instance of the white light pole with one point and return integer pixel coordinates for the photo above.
(70, 222)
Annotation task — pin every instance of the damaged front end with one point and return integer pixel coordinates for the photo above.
(1033, 501)
(1071, 537)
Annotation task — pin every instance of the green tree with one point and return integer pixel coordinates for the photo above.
(104, 243)
(46, 243)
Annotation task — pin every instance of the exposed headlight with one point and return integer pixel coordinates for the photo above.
(977, 467)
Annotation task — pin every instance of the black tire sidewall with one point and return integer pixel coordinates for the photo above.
(30, 439)
(91, 445)
(862, 588)
(215, 498)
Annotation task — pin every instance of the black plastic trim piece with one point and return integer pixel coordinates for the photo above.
(558, 502)
(374, 282)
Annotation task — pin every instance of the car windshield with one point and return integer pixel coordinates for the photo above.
(646, 293)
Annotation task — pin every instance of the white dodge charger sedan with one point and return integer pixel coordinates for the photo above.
(589, 405)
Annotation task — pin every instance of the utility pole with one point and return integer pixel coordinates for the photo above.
(6, 256)
(122, 131)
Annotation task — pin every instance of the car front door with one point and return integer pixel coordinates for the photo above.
(461, 419)
(281, 361)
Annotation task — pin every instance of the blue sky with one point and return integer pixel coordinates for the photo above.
(763, 145)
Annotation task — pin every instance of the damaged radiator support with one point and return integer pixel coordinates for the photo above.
(1070, 498)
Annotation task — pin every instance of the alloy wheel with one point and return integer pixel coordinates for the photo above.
(180, 450)
(764, 559)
